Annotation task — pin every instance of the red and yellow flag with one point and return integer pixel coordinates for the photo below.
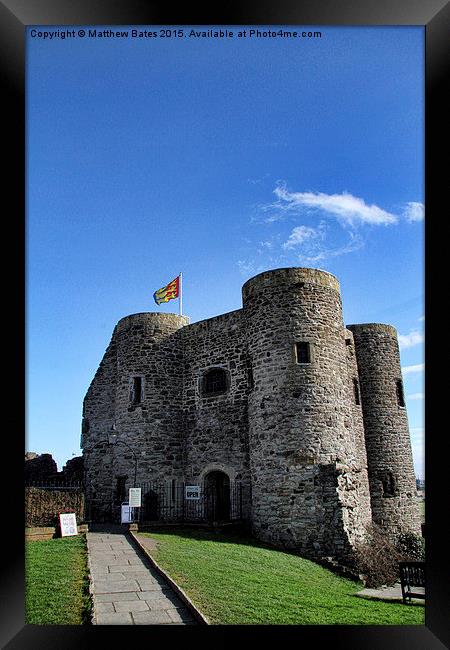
(169, 292)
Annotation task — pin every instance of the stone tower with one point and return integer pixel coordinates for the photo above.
(126, 411)
(389, 454)
(308, 467)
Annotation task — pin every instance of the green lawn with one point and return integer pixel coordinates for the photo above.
(234, 579)
(57, 581)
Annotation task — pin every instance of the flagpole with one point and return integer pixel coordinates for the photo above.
(181, 294)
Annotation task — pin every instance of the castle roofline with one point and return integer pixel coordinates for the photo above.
(295, 273)
(380, 327)
(155, 317)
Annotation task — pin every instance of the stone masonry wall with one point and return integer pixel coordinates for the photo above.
(303, 455)
(389, 454)
(122, 438)
(292, 433)
(216, 426)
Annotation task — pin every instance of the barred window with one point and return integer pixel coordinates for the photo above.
(303, 352)
(214, 381)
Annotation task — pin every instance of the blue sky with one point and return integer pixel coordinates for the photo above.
(219, 158)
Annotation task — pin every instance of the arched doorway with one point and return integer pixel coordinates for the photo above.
(217, 496)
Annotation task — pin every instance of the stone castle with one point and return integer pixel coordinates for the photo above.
(305, 415)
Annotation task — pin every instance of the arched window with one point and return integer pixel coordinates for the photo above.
(214, 382)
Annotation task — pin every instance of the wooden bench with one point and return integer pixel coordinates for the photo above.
(412, 579)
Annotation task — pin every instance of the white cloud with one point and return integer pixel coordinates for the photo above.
(414, 211)
(407, 370)
(346, 207)
(300, 234)
(410, 340)
(417, 436)
(416, 396)
(355, 242)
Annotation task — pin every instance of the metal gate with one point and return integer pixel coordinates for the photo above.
(174, 501)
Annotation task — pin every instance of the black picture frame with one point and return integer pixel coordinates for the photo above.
(15, 16)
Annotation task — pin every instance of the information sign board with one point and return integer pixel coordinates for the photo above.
(68, 523)
(125, 514)
(134, 497)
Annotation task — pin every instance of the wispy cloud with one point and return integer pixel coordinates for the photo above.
(416, 396)
(354, 243)
(339, 232)
(417, 436)
(302, 233)
(407, 370)
(414, 211)
(346, 207)
(410, 340)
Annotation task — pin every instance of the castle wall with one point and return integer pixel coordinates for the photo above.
(303, 455)
(216, 425)
(389, 454)
(307, 421)
(144, 438)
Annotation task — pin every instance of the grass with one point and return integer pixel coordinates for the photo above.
(234, 579)
(57, 582)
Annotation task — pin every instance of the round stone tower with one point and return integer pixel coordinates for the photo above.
(309, 479)
(149, 386)
(132, 410)
(389, 454)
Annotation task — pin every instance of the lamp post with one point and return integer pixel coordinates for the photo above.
(112, 440)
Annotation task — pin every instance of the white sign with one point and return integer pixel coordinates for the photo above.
(126, 514)
(68, 523)
(134, 497)
(192, 492)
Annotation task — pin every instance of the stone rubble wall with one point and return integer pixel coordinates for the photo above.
(291, 433)
(299, 453)
(216, 427)
(389, 454)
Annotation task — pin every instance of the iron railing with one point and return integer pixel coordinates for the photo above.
(172, 501)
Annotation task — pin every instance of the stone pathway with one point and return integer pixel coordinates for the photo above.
(388, 593)
(126, 590)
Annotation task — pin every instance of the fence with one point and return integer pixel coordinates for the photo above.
(44, 502)
(180, 502)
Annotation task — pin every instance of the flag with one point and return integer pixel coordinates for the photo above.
(169, 292)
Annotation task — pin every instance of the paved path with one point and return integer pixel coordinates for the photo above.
(387, 593)
(126, 590)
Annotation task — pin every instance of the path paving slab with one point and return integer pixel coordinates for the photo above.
(125, 588)
(387, 593)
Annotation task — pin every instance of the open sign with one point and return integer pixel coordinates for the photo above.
(192, 492)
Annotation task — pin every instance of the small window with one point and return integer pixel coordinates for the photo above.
(136, 391)
(348, 342)
(356, 391)
(214, 381)
(303, 352)
(400, 393)
(388, 483)
(250, 380)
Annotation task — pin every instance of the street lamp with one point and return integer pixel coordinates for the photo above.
(112, 440)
